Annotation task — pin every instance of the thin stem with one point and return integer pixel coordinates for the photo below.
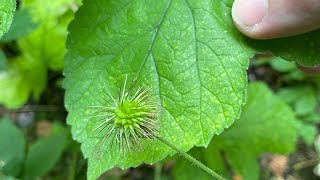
(157, 171)
(301, 165)
(192, 159)
(72, 168)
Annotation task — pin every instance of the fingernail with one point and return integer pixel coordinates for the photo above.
(248, 13)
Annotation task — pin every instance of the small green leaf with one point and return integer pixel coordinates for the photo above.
(295, 75)
(12, 148)
(301, 98)
(312, 118)
(7, 8)
(45, 153)
(282, 65)
(257, 131)
(307, 132)
(21, 26)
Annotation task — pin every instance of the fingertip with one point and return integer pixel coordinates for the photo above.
(249, 13)
(269, 19)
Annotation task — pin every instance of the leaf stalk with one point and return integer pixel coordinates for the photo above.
(191, 159)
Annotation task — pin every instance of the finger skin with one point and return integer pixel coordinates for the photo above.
(280, 18)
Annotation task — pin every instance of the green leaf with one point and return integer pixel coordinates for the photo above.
(295, 75)
(43, 49)
(2, 177)
(12, 148)
(304, 49)
(187, 51)
(312, 118)
(301, 98)
(45, 153)
(23, 77)
(21, 26)
(308, 132)
(47, 42)
(7, 8)
(3, 63)
(282, 65)
(257, 131)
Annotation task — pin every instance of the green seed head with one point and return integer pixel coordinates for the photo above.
(129, 118)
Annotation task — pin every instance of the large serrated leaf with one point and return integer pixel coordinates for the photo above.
(7, 8)
(188, 51)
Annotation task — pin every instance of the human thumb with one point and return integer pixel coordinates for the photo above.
(268, 19)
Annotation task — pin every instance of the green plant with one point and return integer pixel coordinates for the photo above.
(299, 91)
(37, 160)
(257, 131)
(190, 55)
(38, 35)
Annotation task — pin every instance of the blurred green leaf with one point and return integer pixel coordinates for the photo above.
(3, 63)
(301, 98)
(42, 49)
(47, 42)
(282, 65)
(295, 75)
(24, 77)
(45, 153)
(12, 148)
(312, 118)
(21, 26)
(7, 8)
(2, 177)
(266, 124)
(307, 132)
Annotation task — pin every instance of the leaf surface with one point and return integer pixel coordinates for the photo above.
(7, 8)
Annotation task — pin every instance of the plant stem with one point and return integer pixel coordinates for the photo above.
(157, 171)
(72, 168)
(192, 159)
